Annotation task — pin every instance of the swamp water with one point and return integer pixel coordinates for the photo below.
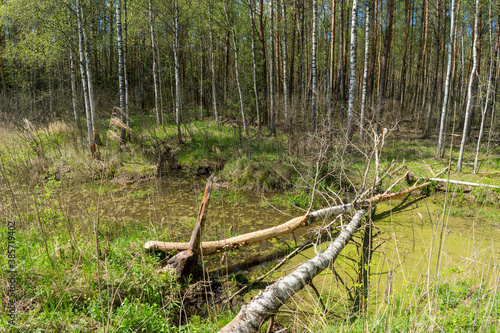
(412, 235)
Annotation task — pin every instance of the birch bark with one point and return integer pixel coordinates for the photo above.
(469, 90)
(313, 65)
(352, 60)
(212, 65)
(155, 74)
(121, 79)
(365, 72)
(447, 84)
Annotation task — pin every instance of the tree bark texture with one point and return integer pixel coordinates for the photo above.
(266, 304)
(352, 76)
(469, 90)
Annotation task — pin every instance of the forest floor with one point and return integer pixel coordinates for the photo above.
(70, 280)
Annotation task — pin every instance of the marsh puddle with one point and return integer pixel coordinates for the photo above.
(409, 236)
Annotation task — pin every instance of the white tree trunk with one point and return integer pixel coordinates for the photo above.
(365, 73)
(352, 60)
(469, 90)
(254, 62)
(121, 79)
(236, 69)
(266, 304)
(313, 63)
(285, 62)
(89, 80)
(125, 76)
(155, 75)
(82, 71)
(177, 76)
(212, 65)
(447, 84)
(271, 70)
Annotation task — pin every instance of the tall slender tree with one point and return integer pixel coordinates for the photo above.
(352, 77)
(121, 78)
(236, 67)
(212, 65)
(447, 84)
(365, 72)
(271, 71)
(285, 62)
(159, 117)
(469, 89)
(177, 74)
(385, 62)
(254, 62)
(313, 65)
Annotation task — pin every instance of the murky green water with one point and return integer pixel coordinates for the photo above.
(408, 243)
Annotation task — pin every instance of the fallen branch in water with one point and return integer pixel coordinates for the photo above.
(458, 182)
(282, 229)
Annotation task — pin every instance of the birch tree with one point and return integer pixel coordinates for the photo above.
(469, 89)
(82, 71)
(90, 86)
(447, 84)
(365, 72)
(236, 68)
(313, 68)
(285, 63)
(212, 65)
(352, 60)
(159, 118)
(254, 61)
(121, 79)
(125, 56)
(271, 70)
(177, 76)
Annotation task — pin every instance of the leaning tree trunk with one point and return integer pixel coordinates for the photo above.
(265, 305)
(447, 84)
(121, 79)
(313, 64)
(469, 91)
(352, 59)
(365, 73)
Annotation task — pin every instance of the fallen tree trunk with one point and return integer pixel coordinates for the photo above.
(265, 305)
(458, 182)
(282, 229)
